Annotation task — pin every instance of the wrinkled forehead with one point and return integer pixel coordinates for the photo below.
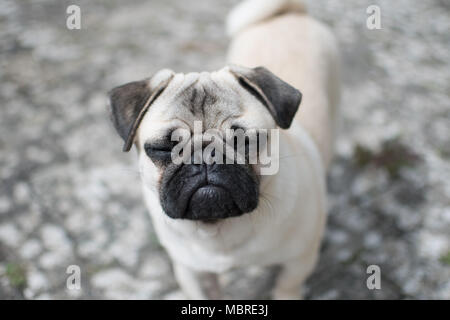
(200, 97)
(214, 98)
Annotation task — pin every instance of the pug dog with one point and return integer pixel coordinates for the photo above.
(212, 217)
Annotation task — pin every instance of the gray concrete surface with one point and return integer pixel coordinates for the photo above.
(69, 196)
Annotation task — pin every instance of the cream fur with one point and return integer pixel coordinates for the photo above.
(301, 51)
(289, 222)
(250, 12)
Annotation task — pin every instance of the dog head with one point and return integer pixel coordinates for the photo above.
(147, 113)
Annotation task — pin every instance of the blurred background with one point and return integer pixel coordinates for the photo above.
(69, 196)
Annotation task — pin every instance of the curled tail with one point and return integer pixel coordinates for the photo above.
(250, 12)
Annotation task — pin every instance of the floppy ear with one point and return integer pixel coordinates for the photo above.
(129, 103)
(281, 99)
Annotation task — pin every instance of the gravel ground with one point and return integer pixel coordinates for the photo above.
(68, 196)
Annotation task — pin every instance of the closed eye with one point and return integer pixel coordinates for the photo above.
(159, 151)
(151, 149)
(161, 145)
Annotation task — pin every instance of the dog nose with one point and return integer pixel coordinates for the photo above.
(205, 171)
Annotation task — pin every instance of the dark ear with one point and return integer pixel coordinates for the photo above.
(281, 99)
(129, 103)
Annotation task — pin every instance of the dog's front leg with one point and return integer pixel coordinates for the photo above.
(197, 285)
(289, 283)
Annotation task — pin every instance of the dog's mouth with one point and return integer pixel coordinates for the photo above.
(208, 192)
(211, 203)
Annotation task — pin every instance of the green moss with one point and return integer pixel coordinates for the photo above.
(393, 156)
(16, 274)
(362, 155)
(444, 153)
(445, 258)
